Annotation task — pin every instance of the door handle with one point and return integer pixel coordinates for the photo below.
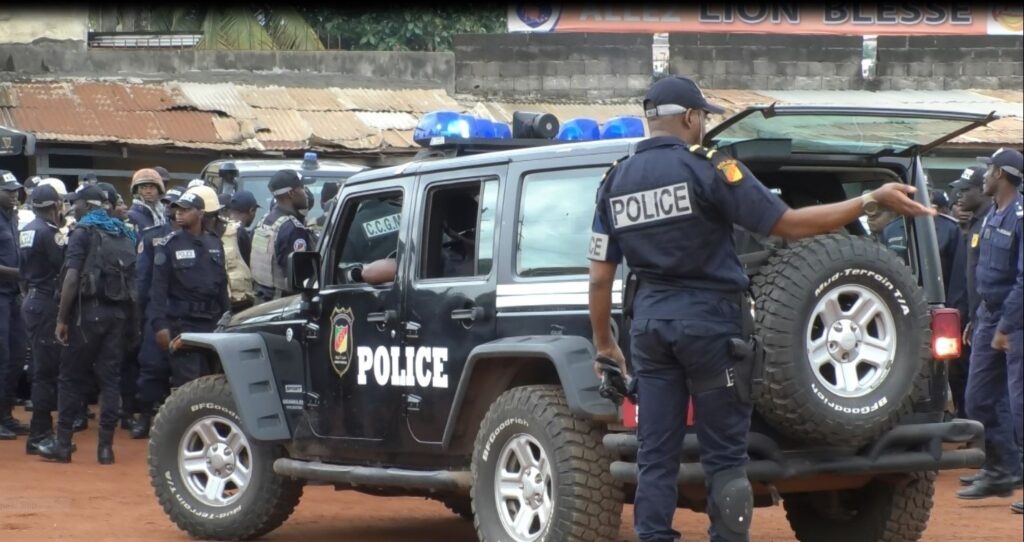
(383, 318)
(468, 316)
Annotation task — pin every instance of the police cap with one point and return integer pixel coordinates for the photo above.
(972, 176)
(172, 195)
(675, 95)
(110, 192)
(90, 193)
(284, 181)
(1008, 160)
(243, 201)
(8, 181)
(45, 196)
(190, 200)
(165, 175)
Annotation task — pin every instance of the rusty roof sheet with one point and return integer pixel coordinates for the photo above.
(280, 125)
(406, 100)
(221, 97)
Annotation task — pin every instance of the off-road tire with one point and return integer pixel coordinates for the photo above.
(268, 500)
(885, 510)
(587, 501)
(787, 289)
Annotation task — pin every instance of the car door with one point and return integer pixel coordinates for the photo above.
(353, 361)
(449, 308)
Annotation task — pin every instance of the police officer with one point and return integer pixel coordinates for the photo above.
(12, 333)
(153, 383)
(997, 353)
(42, 255)
(669, 211)
(281, 233)
(233, 236)
(93, 318)
(228, 174)
(147, 187)
(243, 209)
(189, 285)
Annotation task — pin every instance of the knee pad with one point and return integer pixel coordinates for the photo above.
(732, 504)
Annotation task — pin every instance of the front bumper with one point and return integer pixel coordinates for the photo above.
(905, 448)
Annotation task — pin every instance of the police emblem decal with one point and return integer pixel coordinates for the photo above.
(730, 171)
(341, 340)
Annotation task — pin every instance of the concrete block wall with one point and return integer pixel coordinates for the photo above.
(768, 62)
(950, 62)
(553, 66)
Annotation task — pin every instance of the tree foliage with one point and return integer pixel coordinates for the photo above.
(405, 29)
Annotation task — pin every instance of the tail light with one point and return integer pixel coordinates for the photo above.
(946, 334)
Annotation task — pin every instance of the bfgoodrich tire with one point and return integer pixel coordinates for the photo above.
(847, 340)
(213, 481)
(541, 475)
(886, 510)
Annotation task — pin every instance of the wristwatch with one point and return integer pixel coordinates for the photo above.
(869, 203)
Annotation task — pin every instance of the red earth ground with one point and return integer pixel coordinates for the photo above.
(84, 501)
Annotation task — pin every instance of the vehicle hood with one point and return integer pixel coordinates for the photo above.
(286, 308)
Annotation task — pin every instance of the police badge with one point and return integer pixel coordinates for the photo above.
(341, 340)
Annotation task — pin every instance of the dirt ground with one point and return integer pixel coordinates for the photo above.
(83, 501)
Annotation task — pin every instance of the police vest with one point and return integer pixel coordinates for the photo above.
(239, 275)
(109, 270)
(265, 270)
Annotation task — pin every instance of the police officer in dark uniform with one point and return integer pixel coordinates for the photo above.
(669, 211)
(42, 255)
(12, 332)
(281, 233)
(154, 378)
(96, 313)
(997, 354)
(190, 286)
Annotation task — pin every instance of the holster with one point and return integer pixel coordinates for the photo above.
(747, 352)
(629, 294)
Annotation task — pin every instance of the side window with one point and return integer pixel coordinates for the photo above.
(370, 231)
(459, 230)
(556, 210)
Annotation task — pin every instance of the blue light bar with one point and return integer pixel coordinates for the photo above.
(580, 129)
(483, 128)
(309, 157)
(502, 130)
(620, 127)
(442, 124)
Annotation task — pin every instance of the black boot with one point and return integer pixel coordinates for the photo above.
(140, 429)
(7, 434)
(992, 485)
(11, 423)
(105, 450)
(81, 423)
(34, 440)
(58, 449)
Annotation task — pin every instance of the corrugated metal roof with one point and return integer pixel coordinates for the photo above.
(221, 97)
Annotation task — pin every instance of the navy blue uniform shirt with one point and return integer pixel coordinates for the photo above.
(142, 216)
(9, 255)
(1000, 272)
(291, 237)
(973, 243)
(189, 279)
(951, 246)
(42, 255)
(670, 213)
(374, 232)
(144, 265)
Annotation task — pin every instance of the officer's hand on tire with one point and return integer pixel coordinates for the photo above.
(163, 339)
(61, 333)
(898, 197)
(1000, 341)
(615, 353)
(967, 333)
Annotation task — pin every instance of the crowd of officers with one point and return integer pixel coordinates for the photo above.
(97, 290)
(979, 233)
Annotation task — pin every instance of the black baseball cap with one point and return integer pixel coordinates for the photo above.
(972, 176)
(164, 174)
(8, 181)
(172, 195)
(1008, 160)
(87, 178)
(90, 193)
(674, 95)
(110, 192)
(243, 201)
(190, 200)
(284, 181)
(45, 196)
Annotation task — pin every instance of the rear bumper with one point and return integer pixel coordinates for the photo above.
(905, 448)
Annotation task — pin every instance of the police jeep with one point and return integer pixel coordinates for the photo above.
(474, 385)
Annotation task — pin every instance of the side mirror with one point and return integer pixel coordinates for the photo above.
(304, 271)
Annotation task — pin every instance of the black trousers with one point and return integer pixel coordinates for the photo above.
(188, 365)
(96, 347)
(39, 311)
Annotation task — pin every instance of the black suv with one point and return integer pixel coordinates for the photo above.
(472, 384)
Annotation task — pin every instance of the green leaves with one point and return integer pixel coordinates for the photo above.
(290, 31)
(234, 28)
(411, 29)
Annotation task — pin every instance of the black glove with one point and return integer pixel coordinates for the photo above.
(614, 385)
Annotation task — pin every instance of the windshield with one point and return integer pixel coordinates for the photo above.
(848, 133)
(259, 186)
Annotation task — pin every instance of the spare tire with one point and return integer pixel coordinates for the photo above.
(847, 337)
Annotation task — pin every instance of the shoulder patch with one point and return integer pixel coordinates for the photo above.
(299, 245)
(161, 241)
(702, 151)
(729, 170)
(27, 238)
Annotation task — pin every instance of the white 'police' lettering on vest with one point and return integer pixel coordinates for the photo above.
(651, 205)
(404, 367)
(382, 226)
(185, 254)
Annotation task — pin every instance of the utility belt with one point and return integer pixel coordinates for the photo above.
(992, 308)
(42, 293)
(196, 310)
(746, 351)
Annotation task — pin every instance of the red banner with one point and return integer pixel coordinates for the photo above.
(843, 18)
